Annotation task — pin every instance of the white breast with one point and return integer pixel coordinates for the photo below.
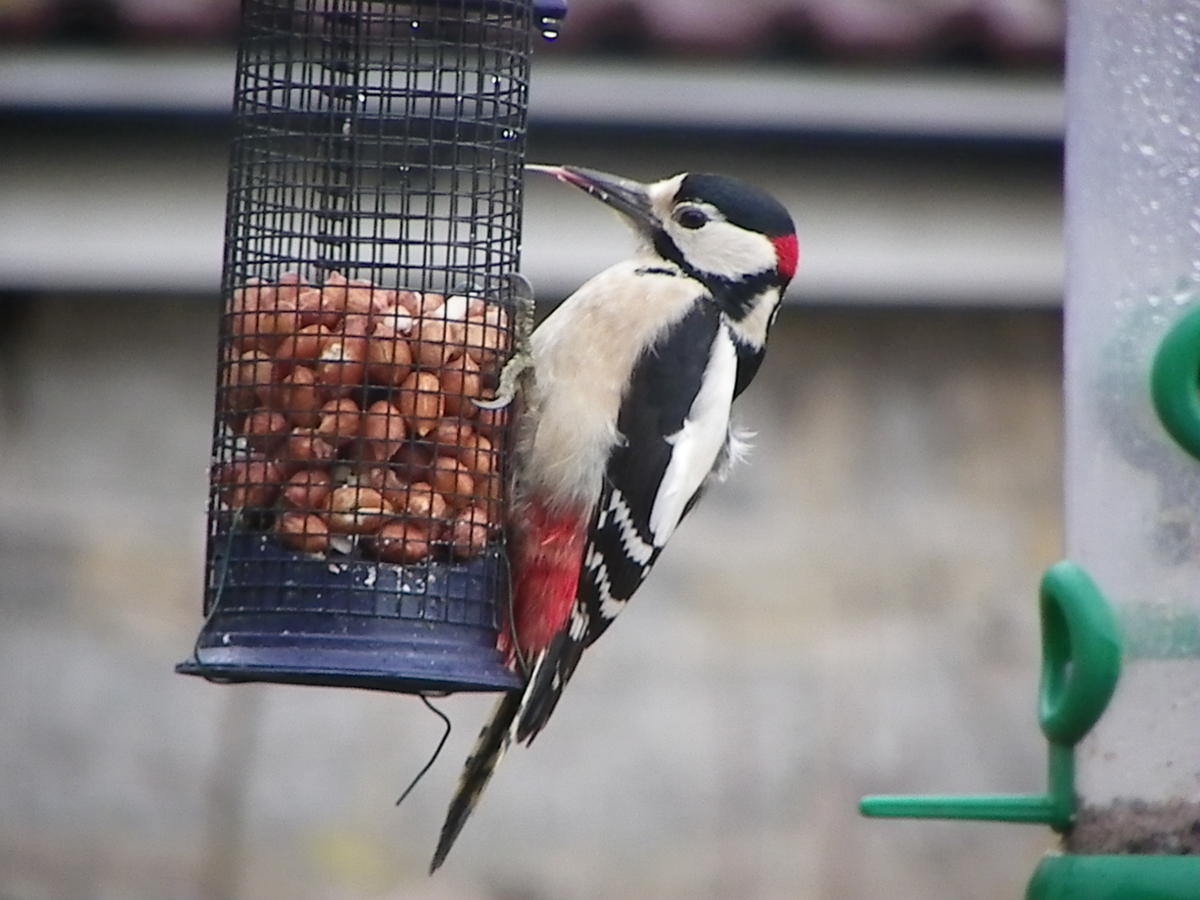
(583, 355)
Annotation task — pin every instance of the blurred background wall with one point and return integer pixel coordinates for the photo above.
(852, 613)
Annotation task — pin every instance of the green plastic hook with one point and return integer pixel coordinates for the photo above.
(1081, 662)
(1175, 379)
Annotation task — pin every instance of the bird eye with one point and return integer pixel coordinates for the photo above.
(690, 217)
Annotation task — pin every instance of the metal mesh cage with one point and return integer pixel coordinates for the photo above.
(372, 230)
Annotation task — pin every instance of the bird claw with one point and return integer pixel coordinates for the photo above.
(521, 360)
(498, 403)
(519, 363)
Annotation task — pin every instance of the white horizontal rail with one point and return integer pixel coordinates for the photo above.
(768, 98)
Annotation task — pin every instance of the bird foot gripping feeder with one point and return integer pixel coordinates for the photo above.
(371, 298)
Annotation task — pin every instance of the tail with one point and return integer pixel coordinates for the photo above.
(519, 715)
(548, 550)
(550, 675)
(485, 756)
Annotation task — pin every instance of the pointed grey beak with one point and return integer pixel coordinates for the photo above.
(630, 198)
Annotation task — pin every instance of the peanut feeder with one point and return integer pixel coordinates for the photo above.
(357, 494)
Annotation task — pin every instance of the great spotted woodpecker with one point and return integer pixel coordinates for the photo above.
(625, 422)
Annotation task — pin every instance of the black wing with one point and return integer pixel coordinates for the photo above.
(621, 545)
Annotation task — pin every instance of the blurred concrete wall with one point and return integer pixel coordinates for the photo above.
(853, 613)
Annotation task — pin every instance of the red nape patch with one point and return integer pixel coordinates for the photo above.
(787, 251)
(546, 553)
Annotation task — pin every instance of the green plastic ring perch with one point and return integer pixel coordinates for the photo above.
(1081, 654)
(1081, 662)
(1174, 382)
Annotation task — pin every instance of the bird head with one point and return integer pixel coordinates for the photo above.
(719, 230)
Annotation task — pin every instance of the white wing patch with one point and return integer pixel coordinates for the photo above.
(695, 447)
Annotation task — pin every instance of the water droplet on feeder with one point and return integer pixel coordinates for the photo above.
(416, 24)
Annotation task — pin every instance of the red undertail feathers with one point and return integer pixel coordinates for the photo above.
(546, 555)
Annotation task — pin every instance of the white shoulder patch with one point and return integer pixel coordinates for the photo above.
(696, 446)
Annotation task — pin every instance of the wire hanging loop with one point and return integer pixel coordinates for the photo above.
(437, 751)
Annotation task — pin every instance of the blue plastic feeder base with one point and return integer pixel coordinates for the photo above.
(285, 617)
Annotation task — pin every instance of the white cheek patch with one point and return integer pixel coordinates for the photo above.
(724, 250)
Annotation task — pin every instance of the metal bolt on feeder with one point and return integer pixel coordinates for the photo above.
(372, 242)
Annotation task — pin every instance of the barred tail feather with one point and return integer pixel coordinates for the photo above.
(477, 772)
(550, 675)
(519, 715)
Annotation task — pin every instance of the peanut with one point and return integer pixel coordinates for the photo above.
(250, 483)
(303, 531)
(467, 533)
(382, 431)
(308, 490)
(401, 542)
(421, 402)
(265, 429)
(297, 396)
(356, 509)
(460, 384)
(340, 421)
